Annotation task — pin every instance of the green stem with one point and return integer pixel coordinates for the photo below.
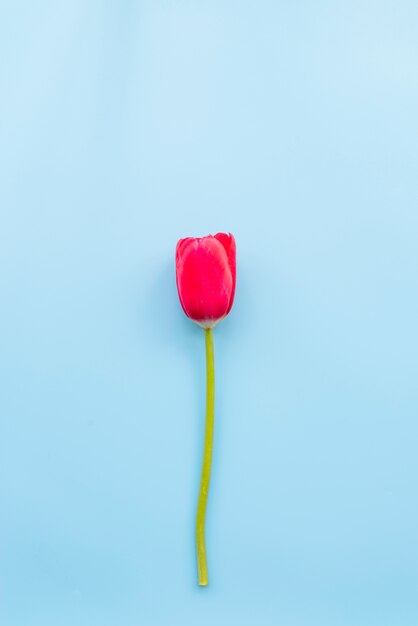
(202, 567)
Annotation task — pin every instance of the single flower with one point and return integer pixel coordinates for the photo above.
(205, 274)
(206, 269)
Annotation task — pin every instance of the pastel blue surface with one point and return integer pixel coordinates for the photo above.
(125, 126)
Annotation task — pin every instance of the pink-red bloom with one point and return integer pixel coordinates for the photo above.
(205, 272)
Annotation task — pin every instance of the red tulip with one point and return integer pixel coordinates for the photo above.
(206, 270)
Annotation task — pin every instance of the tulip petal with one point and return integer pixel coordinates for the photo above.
(181, 244)
(228, 242)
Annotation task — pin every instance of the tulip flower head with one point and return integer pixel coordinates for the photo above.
(206, 270)
(205, 273)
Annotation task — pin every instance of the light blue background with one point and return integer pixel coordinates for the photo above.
(125, 126)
